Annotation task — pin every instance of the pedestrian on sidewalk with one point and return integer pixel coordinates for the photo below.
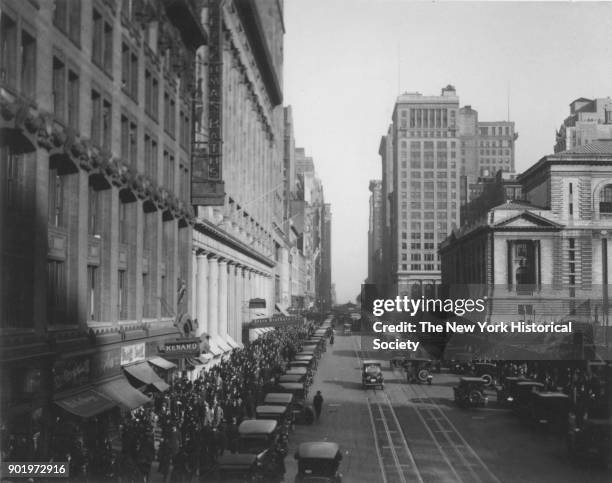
(317, 402)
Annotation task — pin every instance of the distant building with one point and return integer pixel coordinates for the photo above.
(433, 152)
(546, 258)
(375, 234)
(589, 120)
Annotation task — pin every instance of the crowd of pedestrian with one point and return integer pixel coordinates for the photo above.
(184, 429)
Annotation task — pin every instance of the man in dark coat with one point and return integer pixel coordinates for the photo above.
(317, 403)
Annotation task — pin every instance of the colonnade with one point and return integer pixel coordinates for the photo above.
(223, 288)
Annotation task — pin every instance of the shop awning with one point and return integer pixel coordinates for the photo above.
(214, 349)
(122, 392)
(162, 363)
(282, 309)
(233, 343)
(224, 346)
(145, 373)
(86, 404)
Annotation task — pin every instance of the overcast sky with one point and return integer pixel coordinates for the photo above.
(347, 60)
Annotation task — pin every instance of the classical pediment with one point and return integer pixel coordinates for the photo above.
(527, 219)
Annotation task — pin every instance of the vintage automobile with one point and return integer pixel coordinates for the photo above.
(299, 363)
(318, 462)
(371, 374)
(470, 392)
(313, 348)
(525, 391)
(591, 438)
(418, 370)
(283, 415)
(256, 437)
(486, 371)
(300, 378)
(460, 362)
(310, 359)
(278, 398)
(506, 392)
(550, 409)
(347, 328)
(236, 468)
(302, 414)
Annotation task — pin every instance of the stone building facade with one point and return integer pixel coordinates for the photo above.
(589, 120)
(96, 218)
(546, 258)
(240, 242)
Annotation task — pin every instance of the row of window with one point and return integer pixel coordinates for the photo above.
(451, 133)
(495, 131)
(17, 56)
(418, 267)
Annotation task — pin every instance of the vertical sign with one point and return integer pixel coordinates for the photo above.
(207, 164)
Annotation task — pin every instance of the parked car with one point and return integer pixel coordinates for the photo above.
(418, 370)
(318, 462)
(506, 392)
(470, 392)
(525, 391)
(236, 468)
(486, 371)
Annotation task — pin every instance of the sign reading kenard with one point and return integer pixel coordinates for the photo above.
(183, 347)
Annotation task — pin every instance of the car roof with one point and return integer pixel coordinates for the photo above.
(529, 383)
(318, 449)
(278, 397)
(371, 361)
(559, 395)
(303, 357)
(228, 459)
(266, 408)
(291, 378)
(257, 426)
(291, 385)
(297, 370)
(472, 379)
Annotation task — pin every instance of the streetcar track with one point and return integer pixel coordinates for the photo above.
(424, 403)
(401, 468)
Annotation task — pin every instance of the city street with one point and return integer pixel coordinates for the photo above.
(415, 432)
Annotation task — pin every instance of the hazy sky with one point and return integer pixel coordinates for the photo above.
(344, 61)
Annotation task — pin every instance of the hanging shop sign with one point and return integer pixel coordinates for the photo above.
(133, 353)
(106, 364)
(71, 373)
(182, 347)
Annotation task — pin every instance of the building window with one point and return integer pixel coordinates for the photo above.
(123, 223)
(56, 291)
(146, 294)
(56, 199)
(67, 18)
(66, 92)
(605, 200)
(102, 43)
(129, 138)
(151, 94)
(129, 71)
(8, 51)
(169, 170)
(94, 212)
(15, 180)
(122, 295)
(93, 287)
(28, 64)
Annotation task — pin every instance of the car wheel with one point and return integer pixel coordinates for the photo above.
(474, 397)
(423, 373)
(488, 379)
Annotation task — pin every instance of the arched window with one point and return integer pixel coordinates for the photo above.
(605, 200)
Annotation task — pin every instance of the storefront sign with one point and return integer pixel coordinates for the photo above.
(182, 347)
(133, 353)
(106, 364)
(71, 373)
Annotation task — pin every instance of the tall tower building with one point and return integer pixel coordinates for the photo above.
(433, 156)
(425, 203)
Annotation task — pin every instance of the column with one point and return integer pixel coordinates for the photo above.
(222, 324)
(193, 310)
(213, 295)
(201, 294)
(231, 298)
(240, 303)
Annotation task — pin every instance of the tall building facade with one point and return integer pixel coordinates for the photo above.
(95, 160)
(432, 154)
(325, 285)
(589, 120)
(375, 233)
(240, 244)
